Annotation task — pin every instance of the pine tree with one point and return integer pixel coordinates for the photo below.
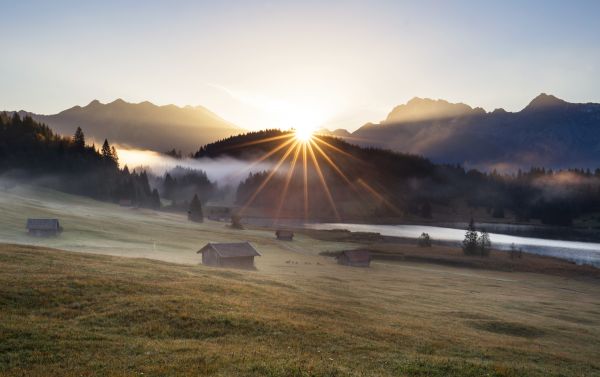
(106, 151)
(79, 139)
(169, 186)
(114, 155)
(16, 120)
(470, 243)
(195, 212)
(484, 244)
(155, 199)
(144, 184)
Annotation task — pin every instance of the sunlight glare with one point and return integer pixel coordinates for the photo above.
(304, 134)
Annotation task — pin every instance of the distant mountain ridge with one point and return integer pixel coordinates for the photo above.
(142, 125)
(547, 132)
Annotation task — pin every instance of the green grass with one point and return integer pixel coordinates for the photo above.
(73, 314)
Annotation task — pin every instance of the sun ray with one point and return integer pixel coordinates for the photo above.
(288, 179)
(377, 195)
(330, 162)
(305, 164)
(322, 179)
(329, 145)
(264, 157)
(261, 141)
(266, 180)
(341, 173)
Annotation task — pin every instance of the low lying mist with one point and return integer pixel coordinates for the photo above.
(224, 170)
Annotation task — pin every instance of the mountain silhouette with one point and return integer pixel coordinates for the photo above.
(547, 132)
(142, 125)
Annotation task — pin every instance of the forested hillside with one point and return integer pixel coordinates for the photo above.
(32, 152)
(376, 185)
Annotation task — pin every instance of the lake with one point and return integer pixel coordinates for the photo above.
(578, 252)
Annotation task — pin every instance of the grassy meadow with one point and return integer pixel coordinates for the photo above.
(159, 313)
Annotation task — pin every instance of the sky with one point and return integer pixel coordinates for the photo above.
(281, 64)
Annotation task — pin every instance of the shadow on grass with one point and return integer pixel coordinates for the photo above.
(508, 328)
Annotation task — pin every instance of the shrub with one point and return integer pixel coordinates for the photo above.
(514, 252)
(236, 222)
(424, 240)
(470, 244)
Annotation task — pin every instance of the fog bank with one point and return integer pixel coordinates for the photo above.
(223, 170)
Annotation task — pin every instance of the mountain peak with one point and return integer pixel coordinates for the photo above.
(544, 101)
(419, 109)
(118, 101)
(94, 103)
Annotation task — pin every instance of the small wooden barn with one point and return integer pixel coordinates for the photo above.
(284, 235)
(233, 255)
(126, 203)
(43, 227)
(355, 258)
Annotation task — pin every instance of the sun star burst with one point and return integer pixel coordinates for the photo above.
(303, 135)
(302, 146)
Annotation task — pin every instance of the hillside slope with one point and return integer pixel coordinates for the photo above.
(142, 125)
(548, 132)
(100, 227)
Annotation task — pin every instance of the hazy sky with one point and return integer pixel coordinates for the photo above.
(276, 63)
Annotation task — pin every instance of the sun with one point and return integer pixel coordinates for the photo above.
(304, 134)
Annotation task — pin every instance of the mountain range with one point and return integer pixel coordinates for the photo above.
(142, 125)
(548, 132)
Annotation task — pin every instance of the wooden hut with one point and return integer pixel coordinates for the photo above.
(355, 258)
(126, 203)
(43, 227)
(284, 235)
(234, 255)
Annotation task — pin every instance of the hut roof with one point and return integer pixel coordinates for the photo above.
(43, 224)
(357, 256)
(231, 250)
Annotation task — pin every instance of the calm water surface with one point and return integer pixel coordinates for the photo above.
(578, 252)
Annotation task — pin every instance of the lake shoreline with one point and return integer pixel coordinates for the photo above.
(574, 251)
(549, 232)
